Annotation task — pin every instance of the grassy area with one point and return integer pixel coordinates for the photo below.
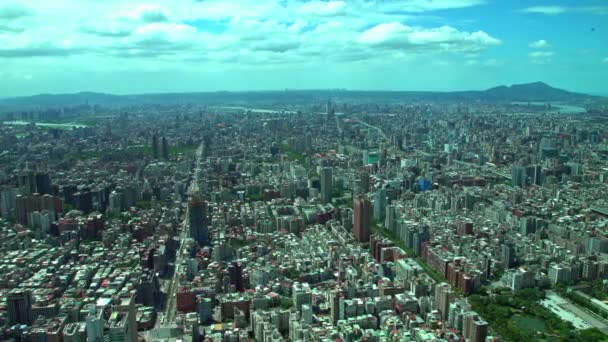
(145, 205)
(529, 324)
(518, 316)
(293, 155)
(238, 243)
(254, 197)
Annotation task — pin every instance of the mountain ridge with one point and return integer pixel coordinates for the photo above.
(531, 92)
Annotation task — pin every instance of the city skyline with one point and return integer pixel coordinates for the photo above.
(132, 47)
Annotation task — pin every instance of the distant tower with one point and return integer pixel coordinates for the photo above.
(330, 108)
(165, 149)
(19, 305)
(326, 184)
(362, 218)
(198, 220)
(155, 146)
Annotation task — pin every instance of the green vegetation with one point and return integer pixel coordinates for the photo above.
(145, 205)
(518, 316)
(286, 302)
(293, 273)
(238, 243)
(254, 197)
(584, 302)
(128, 263)
(293, 155)
(597, 289)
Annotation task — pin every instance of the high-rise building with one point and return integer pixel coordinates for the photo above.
(443, 297)
(43, 183)
(155, 146)
(519, 176)
(27, 181)
(123, 321)
(326, 184)
(380, 205)
(362, 218)
(165, 148)
(94, 325)
(507, 255)
(205, 310)
(475, 328)
(337, 306)
(197, 215)
(301, 294)
(19, 306)
(235, 271)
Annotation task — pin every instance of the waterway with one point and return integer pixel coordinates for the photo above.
(556, 107)
(45, 124)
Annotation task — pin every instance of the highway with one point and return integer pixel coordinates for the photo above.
(171, 304)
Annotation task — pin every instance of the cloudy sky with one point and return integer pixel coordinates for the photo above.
(130, 46)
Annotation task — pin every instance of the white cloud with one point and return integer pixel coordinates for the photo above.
(189, 35)
(444, 38)
(541, 57)
(491, 62)
(324, 8)
(555, 10)
(416, 6)
(537, 54)
(540, 44)
(549, 10)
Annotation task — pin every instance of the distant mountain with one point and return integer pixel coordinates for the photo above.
(66, 100)
(529, 92)
(537, 91)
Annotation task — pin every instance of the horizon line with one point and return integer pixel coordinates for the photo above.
(287, 90)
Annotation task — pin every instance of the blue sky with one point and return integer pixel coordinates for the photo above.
(125, 46)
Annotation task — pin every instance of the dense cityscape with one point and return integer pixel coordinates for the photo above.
(326, 219)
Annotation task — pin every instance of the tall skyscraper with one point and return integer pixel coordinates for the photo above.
(165, 149)
(337, 306)
(94, 324)
(235, 271)
(380, 205)
(326, 184)
(19, 306)
(443, 298)
(43, 183)
(519, 176)
(155, 146)
(27, 181)
(362, 218)
(197, 215)
(507, 255)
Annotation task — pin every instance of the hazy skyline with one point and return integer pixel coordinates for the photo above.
(127, 47)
